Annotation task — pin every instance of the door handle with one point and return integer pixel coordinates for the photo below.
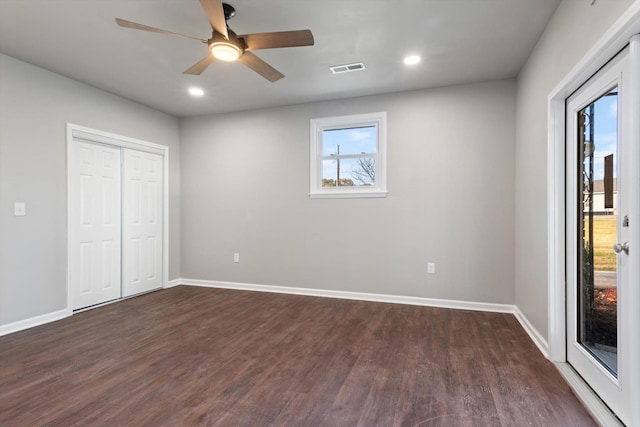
(621, 247)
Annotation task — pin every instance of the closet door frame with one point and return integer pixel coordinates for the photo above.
(85, 134)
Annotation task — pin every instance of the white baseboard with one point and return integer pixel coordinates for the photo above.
(533, 333)
(33, 321)
(172, 283)
(396, 299)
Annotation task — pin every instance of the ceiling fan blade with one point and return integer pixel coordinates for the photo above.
(200, 66)
(260, 67)
(214, 11)
(278, 39)
(136, 26)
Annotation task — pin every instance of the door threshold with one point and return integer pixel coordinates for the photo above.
(101, 304)
(591, 401)
(142, 293)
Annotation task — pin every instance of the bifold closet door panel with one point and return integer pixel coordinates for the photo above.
(94, 224)
(141, 222)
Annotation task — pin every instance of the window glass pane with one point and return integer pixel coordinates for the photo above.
(349, 172)
(597, 231)
(356, 140)
(348, 156)
(329, 173)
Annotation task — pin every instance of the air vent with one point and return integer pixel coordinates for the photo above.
(347, 68)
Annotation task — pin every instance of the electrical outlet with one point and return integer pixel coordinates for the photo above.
(236, 257)
(20, 209)
(431, 268)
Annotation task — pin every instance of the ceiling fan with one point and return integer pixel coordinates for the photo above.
(226, 45)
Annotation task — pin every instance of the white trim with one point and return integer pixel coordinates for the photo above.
(606, 48)
(556, 274)
(34, 321)
(598, 410)
(165, 218)
(172, 283)
(613, 75)
(609, 44)
(633, 292)
(93, 135)
(349, 194)
(360, 296)
(533, 333)
(317, 126)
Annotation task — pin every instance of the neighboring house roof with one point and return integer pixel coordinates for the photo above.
(598, 185)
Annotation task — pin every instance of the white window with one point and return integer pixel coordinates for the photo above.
(348, 156)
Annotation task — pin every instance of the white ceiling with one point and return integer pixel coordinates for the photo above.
(460, 41)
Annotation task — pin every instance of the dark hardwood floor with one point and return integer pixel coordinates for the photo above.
(197, 356)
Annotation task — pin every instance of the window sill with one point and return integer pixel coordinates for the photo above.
(348, 194)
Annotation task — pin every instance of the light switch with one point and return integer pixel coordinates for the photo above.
(20, 209)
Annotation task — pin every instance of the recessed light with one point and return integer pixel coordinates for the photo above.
(196, 91)
(411, 59)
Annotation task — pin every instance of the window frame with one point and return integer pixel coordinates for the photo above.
(318, 126)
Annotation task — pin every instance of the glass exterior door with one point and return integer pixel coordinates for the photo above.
(599, 190)
(597, 229)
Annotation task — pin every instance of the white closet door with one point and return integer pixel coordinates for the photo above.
(142, 222)
(94, 224)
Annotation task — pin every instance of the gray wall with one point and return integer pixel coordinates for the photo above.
(457, 197)
(35, 106)
(245, 184)
(574, 28)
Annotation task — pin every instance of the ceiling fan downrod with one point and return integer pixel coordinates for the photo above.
(229, 11)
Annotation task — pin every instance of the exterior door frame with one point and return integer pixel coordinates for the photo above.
(614, 75)
(77, 132)
(606, 48)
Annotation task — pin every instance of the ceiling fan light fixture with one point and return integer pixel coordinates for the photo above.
(225, 51)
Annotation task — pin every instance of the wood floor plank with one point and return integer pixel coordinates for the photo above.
(211, 357)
